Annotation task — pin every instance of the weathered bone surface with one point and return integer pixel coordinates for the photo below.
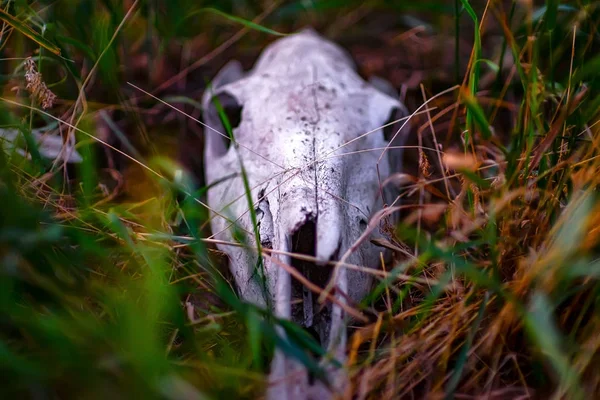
(49, 146)
(297, 119)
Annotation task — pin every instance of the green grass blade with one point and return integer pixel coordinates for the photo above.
(237, 20)
(464, 351)
(477, 114)
(259, 267)
(29, 32)
(541, 328)
(551, 13)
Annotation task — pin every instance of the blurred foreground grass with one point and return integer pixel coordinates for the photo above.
(107, 287)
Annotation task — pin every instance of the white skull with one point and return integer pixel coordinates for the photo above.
(297, 118)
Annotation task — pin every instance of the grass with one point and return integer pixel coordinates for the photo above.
(109, 285)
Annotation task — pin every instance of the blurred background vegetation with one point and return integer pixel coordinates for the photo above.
(109, 288)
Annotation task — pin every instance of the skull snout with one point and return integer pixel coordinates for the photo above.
(311, 231)
(298, 298)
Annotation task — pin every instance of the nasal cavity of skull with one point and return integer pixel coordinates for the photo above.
(306, 309)
(363, 223)
(305, 306)
(224, 115)
(390, 127)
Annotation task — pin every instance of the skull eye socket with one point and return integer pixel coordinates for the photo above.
(390, 130)
(224, 114)
(232, 111)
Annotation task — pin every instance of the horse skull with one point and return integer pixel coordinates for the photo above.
(298, 120)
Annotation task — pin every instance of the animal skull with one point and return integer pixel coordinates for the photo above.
(297, 120)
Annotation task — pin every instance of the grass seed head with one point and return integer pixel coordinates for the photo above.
(36, 85)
